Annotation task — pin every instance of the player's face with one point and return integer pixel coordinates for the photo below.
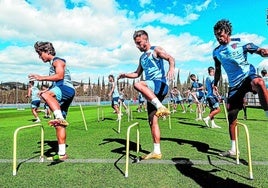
(212, 72)
(141, 43)
(222, 37)
(193, 78)
(44, 56)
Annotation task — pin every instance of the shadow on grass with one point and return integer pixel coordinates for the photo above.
(51, 151)
(193, 124)
(202, 177)
(204, 148)
(142, 118)
(200, 146)
(227, 160)
(24, 161)
(122, 150)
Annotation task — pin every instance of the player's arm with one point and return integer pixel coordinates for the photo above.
(29, 93)
(217, 71)
(59, 73)
(252, 48)
(161, 53)
(134, 74)
(112, 89)
(262, 52)
(201, 87)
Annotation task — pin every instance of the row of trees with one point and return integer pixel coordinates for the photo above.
(14, 93)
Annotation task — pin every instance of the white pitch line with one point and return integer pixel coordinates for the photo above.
(168, 162)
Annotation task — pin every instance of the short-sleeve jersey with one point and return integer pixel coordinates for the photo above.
(34, 95)
(67, 75)
(152, 66)
(196, 85)
(121, 95)
(115, 91)
(141, 98)
(265, 78)
(209, 84)
(233, 58)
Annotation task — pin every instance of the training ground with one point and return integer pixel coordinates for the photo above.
(97, 151)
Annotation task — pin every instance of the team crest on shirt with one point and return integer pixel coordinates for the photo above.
(234, 46)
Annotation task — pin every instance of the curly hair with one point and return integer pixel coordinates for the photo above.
(46, 47)
(223, 25)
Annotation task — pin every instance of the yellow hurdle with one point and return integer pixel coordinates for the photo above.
(98, 113)
(248, 147)
(127, 144)
(83, 116)
(15, 145)
(169, 117)
(119, 120)
(225, 112)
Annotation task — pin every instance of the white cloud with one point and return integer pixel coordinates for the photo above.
(246, 37)
(171, 19)
(144, 2)
(263, 64)
(203, 6)
(96, 39)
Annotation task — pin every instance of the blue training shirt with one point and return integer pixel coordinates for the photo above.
(233, 58)
(266, 81)
(35, 96)
(67, 75)
(152, 66)
(209, 84)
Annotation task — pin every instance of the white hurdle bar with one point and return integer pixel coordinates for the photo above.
(127, 144)
(15, 145)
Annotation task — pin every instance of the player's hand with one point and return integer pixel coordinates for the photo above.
(215, 88)
(170, 75)
(121, 75)
(33, 77)
(264, 52)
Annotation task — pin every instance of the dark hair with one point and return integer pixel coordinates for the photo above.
(263, 72)
(44, 85)
(210, 69)
(46, 47)
(139, 33)
(223, 25)
(192, 75)
(31, 82)
(112, 76)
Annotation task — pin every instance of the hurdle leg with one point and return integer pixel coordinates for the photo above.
(100, 110)
(169, 117)
(120, 117)
(131, 115)
(83, 116)
(225, 112)
(102, 114)
(128, 114)
(127, 145)
(248, 148)
(15, 145)
(98, 113)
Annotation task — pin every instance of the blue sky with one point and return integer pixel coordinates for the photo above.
(95, 36)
